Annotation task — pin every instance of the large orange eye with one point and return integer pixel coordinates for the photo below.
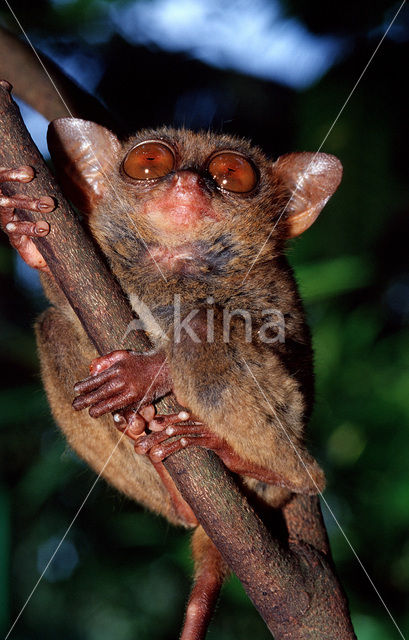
(149, 160)
(233, 172)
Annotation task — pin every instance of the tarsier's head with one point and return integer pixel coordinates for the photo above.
(175, 188)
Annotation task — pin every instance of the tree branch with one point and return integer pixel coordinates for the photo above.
(55, 95)
(289, 579)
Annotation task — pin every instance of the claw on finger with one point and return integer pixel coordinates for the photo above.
(42, 228)
(45, 204)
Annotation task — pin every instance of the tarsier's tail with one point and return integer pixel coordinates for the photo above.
(210, 571)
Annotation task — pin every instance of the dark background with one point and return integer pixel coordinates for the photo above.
(123, 573)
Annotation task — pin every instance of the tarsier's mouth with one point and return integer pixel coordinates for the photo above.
(177, 217)
(183, 204)
(166, 254)
(196, 259)
(177, 258)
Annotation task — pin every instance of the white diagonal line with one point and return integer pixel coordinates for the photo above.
(147, 391)
(278, 420)
(79, 511)
(325, 502)
(305, 172)
(123, 202)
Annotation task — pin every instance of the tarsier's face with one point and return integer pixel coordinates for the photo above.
(188, 185)
(172, 189)
(185, 199)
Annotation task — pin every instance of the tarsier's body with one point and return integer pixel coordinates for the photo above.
(191, 224)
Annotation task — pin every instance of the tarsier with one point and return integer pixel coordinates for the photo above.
(200, 220)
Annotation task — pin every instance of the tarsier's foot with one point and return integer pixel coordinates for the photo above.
(160, 444)
(135, 423)
(21, 233)
(122, 379)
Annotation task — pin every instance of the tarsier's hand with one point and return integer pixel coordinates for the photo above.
(20, 232)
(122, 379)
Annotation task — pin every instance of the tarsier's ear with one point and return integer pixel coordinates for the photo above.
(84, 154)
(311, 178)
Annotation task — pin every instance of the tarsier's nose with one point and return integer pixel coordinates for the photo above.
(185, 202)
(187, 181)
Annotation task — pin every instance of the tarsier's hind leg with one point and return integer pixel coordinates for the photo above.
(65, 355)
(210, 571)
(301, 474)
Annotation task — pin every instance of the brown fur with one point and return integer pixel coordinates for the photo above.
(184, 234)
(65, 355)
(264, 421)
(221, 252)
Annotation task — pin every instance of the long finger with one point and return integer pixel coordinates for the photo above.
(28, 229)
(159, 423)
(113, 403)
(19, 174)
(104, 362)
(45, 204)
(93, 382)
(104, 392)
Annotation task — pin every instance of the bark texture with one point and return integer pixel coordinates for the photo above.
(288, 575)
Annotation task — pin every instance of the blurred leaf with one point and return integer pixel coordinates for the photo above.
(49, 473)
(330, 278)
(19, 405)
(5, 550)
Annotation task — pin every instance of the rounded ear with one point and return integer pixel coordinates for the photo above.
(311, 179)
(84, 154)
